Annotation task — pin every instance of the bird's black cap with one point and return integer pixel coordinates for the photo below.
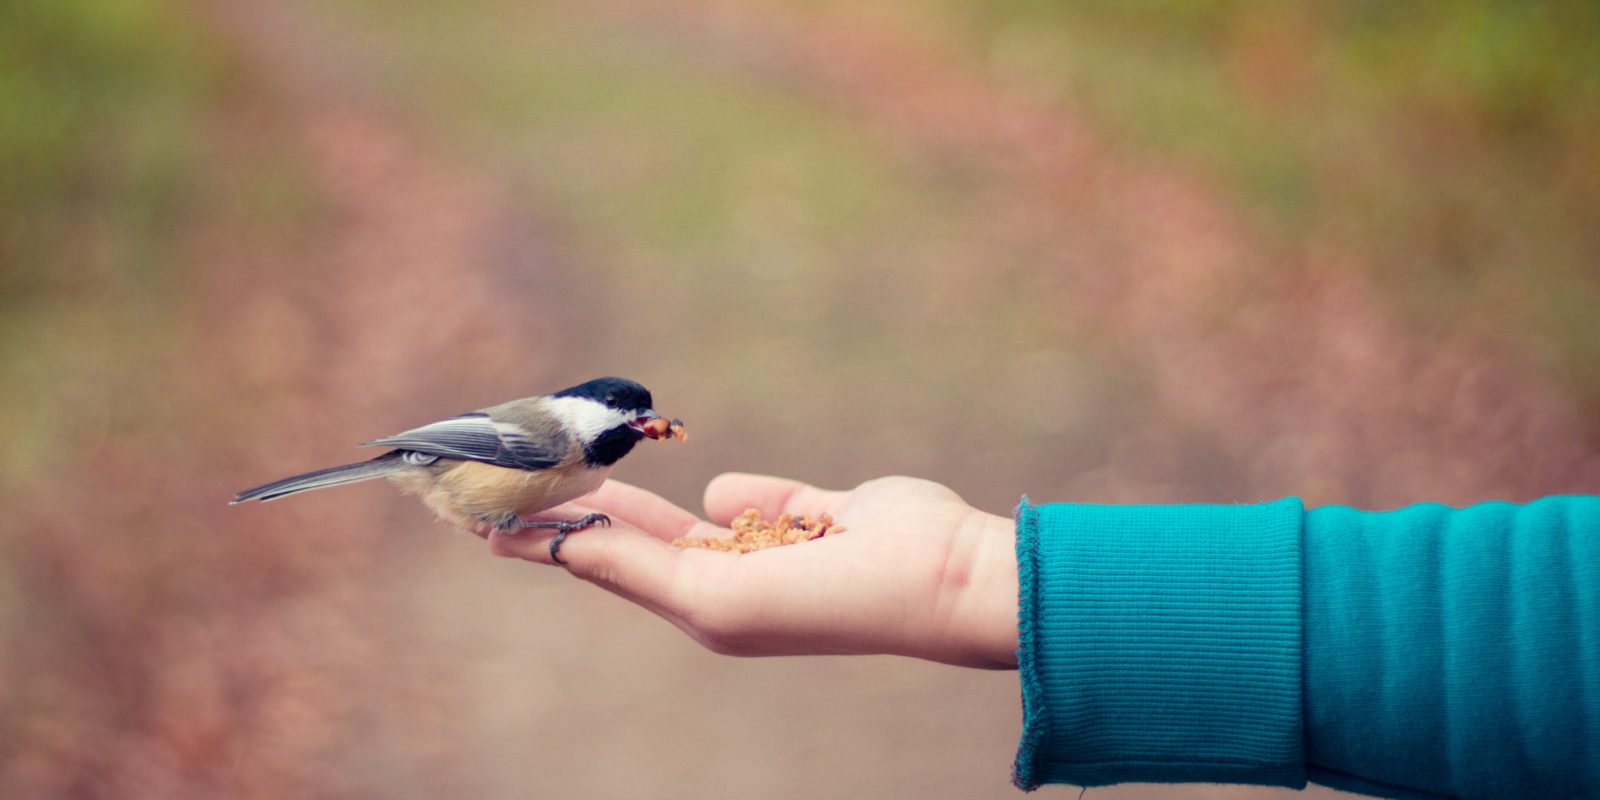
(619, 393)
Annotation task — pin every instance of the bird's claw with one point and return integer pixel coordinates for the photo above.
(561, 527)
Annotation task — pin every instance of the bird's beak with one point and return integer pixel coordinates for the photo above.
(646, 423)
(654, 426)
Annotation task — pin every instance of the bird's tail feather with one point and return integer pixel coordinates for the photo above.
(385, 464)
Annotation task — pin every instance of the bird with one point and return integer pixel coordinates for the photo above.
(485, 470)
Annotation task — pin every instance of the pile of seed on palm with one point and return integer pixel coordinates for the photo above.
(751, 532)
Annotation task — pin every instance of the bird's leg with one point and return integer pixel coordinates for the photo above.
(561, 527)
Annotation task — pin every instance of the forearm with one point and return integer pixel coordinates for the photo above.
(1455, 651)
(1160, 643)
(1430, 650)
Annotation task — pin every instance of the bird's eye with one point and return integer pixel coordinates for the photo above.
(611, 401)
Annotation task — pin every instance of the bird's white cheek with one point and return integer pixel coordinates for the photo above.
(586, 419)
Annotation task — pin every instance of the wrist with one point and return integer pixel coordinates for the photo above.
(986, 610)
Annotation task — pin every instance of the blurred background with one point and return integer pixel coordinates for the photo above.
(1139, 252)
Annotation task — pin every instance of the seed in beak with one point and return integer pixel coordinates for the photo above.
(653, 427)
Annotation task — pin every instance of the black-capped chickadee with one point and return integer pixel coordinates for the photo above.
(485, 469)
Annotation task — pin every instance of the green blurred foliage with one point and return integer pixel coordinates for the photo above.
(97, 99)
(1450, 146)
(99, 104)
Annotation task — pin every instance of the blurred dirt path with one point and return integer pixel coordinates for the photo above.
(1314, 379)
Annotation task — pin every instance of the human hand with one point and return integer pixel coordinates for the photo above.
(918, 572)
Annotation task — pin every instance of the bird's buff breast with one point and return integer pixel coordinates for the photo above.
(467, 492)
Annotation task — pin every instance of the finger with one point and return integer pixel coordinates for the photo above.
(635, 501)
(646, 510)
(729, 494)
(620, 558)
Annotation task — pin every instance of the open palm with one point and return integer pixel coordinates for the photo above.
(918, 572)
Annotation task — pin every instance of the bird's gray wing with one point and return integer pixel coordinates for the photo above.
(476, 437)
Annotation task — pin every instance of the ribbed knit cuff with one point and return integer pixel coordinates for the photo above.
(1160, 644)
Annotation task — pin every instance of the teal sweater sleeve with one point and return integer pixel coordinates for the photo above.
(1425, 652)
